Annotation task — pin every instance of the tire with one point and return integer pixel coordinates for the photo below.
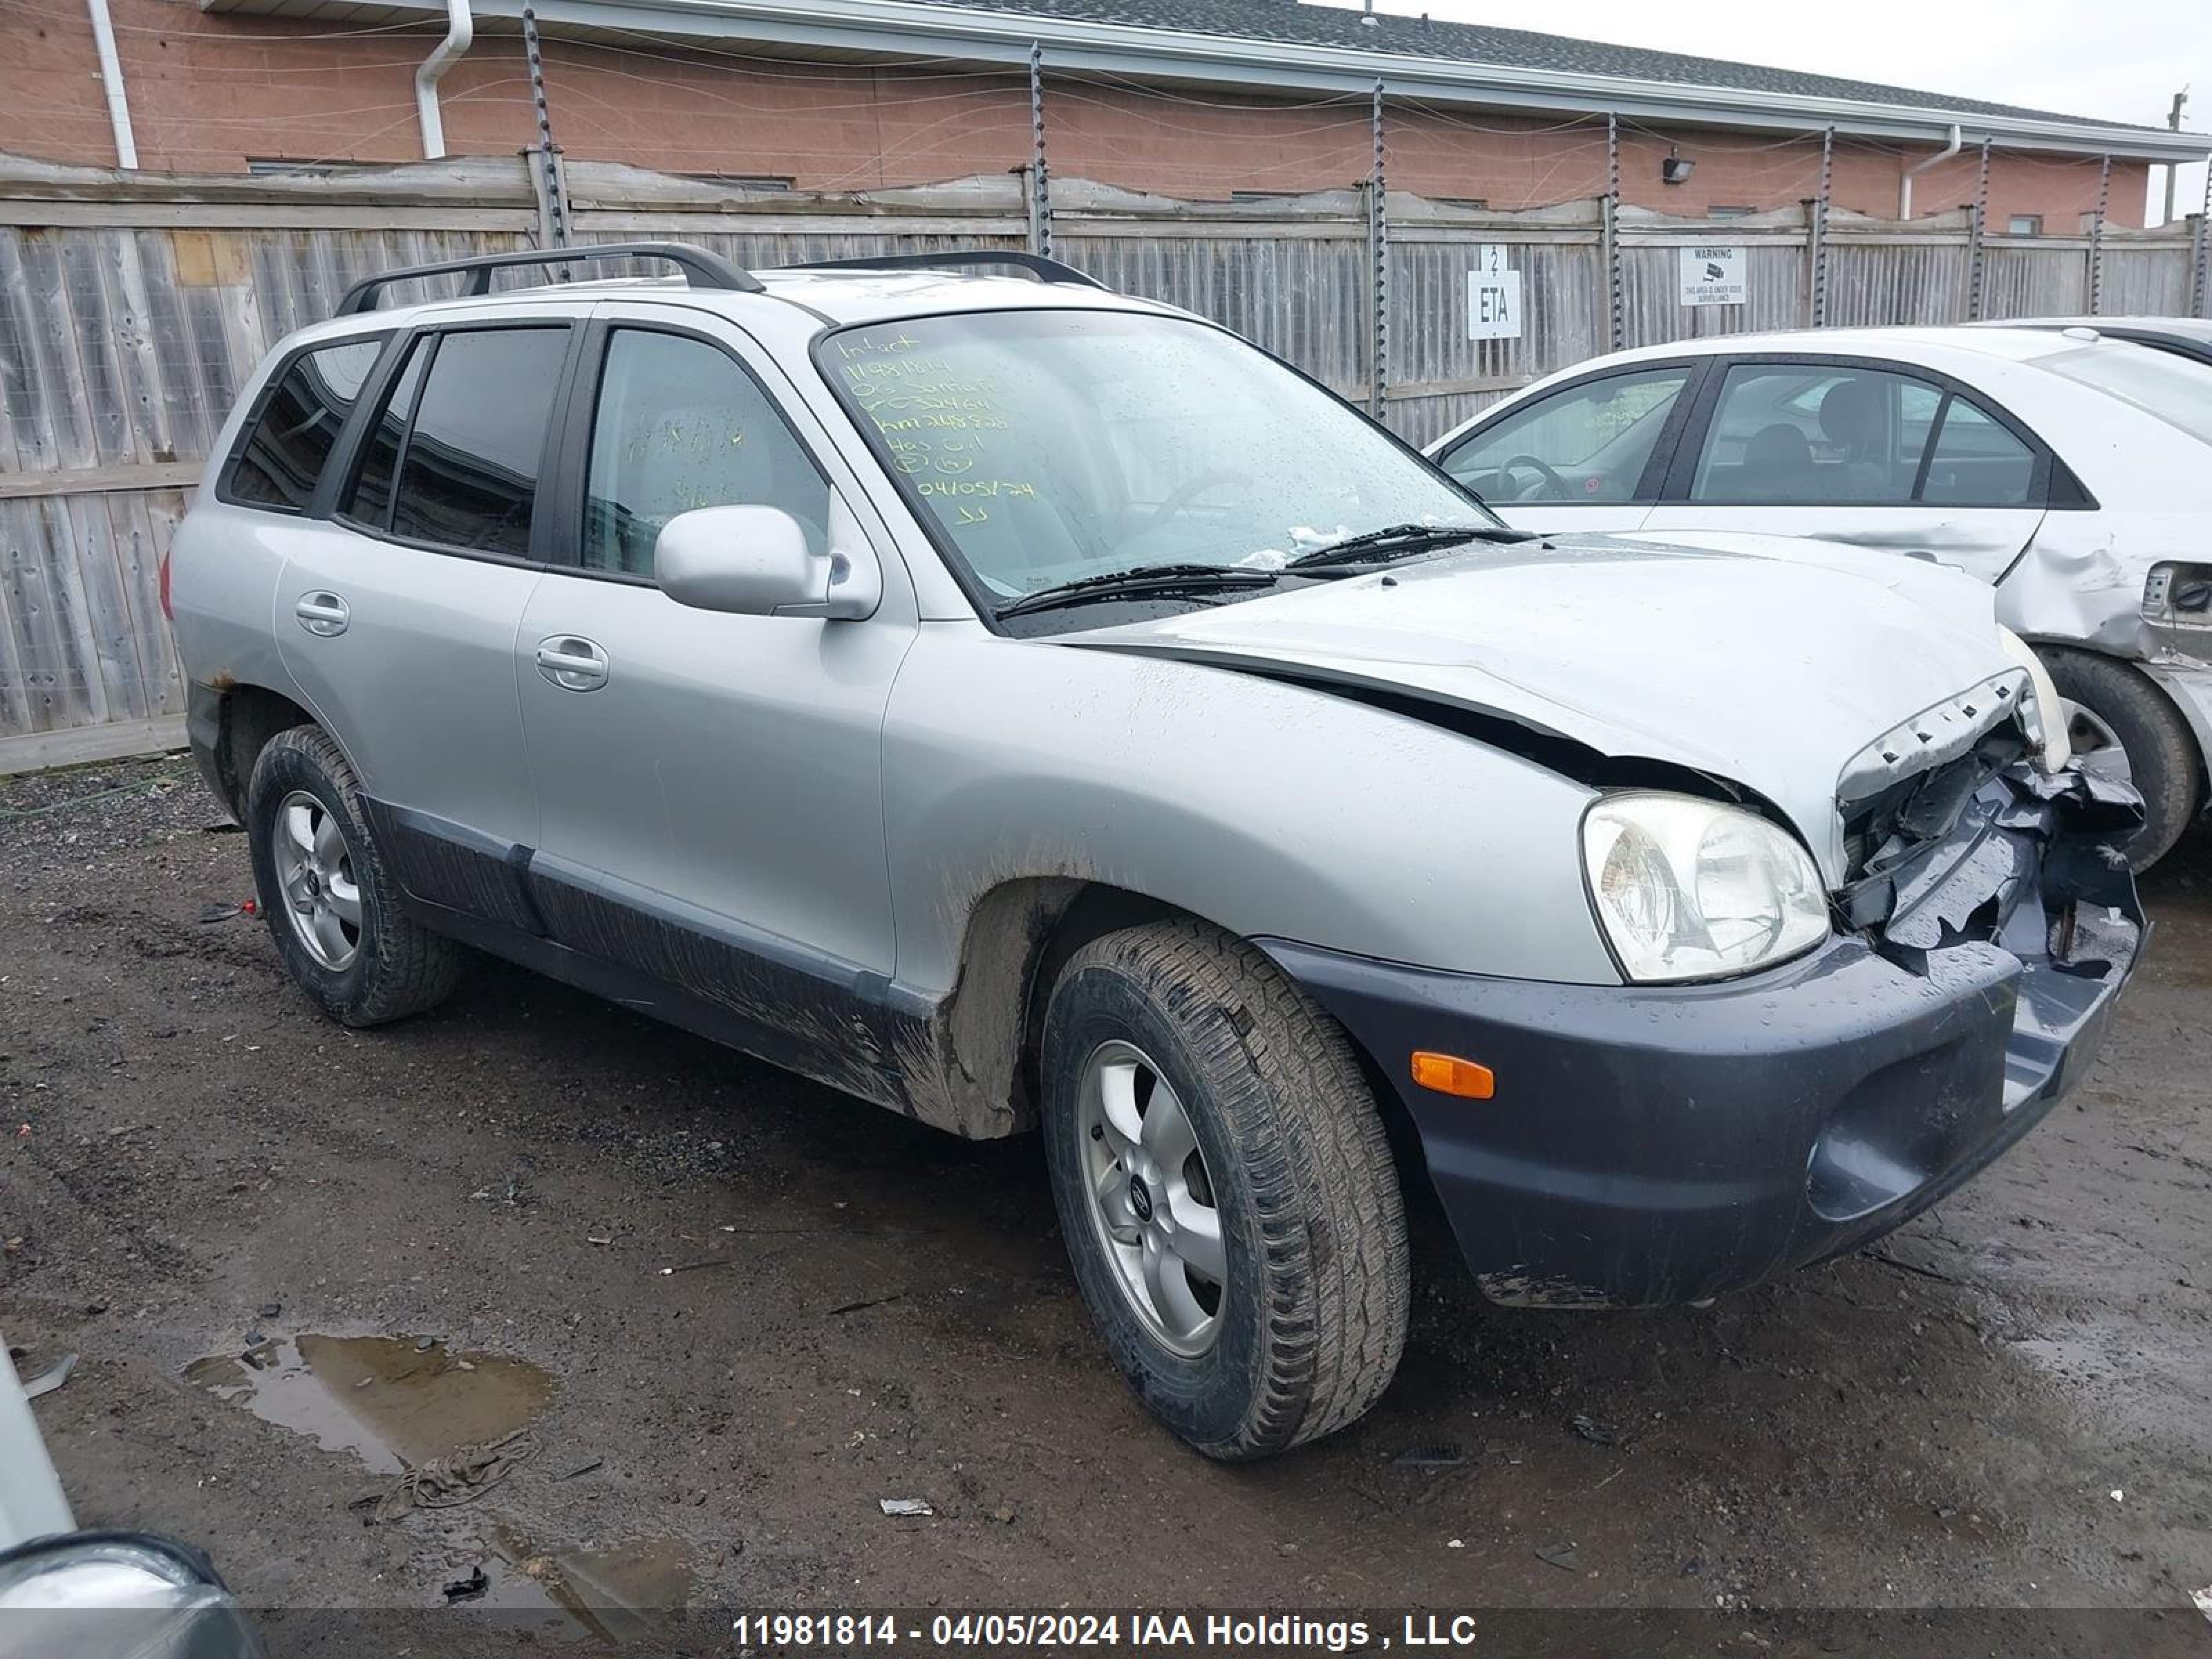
(2161, 753)
(396, 967)
(1309, 1316)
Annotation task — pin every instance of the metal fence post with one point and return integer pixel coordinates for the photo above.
(1378, 243)
(1039, 180)
(1817, 304)
(552, 182)
(2097, 239)
(1977, 231)
(2201, 249)
(1616, 294)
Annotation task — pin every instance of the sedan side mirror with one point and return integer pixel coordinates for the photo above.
(755, 561)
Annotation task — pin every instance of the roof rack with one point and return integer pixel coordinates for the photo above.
(1044, 270)
(703, 269)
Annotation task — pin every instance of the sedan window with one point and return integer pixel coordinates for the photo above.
(1843, 434)
(1827, 434)
(1590, 442)
(2176, 390)
(1977, 461)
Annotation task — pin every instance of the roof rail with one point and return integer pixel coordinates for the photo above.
(704, 270)
(1044, 270)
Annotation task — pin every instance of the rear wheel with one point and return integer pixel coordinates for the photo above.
(2123, 726)
(1225, 1189)
(332, 909)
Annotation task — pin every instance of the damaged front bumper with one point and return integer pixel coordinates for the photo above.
(1653, 1144)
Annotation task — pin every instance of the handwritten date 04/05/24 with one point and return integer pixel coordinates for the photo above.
(1279, 1633)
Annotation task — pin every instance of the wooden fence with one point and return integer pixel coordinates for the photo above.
(134, 306)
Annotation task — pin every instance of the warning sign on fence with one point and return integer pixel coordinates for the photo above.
(1714, 276)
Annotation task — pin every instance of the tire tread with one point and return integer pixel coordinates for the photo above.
(412, 969)
(1332, 1217)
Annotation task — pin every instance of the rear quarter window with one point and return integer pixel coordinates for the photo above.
(297, 426)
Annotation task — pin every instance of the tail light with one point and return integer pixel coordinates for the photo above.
(169, 610)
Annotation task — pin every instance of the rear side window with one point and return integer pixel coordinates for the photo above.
(1813, 433)
(284, 452)
(371, 500)
(454, 458)
(1977, 462)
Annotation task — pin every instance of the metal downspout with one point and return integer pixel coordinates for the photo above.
(110, 79)
(461, 30)
(1905, 185)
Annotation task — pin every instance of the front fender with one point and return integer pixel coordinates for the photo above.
(1266, 808)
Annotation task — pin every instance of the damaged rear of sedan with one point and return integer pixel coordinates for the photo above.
(1026, 707)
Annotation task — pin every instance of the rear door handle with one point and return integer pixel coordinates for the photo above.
(322, 613)
(572, 662)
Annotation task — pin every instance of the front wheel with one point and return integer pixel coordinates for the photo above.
(1225, 1188)
(2123, 725)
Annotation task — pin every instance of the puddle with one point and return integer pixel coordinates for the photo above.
(617, 1593)
(389, 1402)
(392, 1405)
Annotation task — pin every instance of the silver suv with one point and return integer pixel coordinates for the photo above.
(1023, 706)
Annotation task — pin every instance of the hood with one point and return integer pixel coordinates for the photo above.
(1800, 670)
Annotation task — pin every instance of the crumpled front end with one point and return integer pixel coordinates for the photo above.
(1650, 1144)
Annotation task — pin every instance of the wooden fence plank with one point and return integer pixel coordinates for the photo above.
(140, 537)
(15, 386)
(93, 331)
(97, 480)
(145, 404)
(191, 421)
(38, 564)
(108, 633)
(16, 695)
(34, 751)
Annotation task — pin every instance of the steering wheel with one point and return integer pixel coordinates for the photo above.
(1179, 498)
(1555, 486)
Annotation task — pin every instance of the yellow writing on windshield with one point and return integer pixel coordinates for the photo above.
(937, 420)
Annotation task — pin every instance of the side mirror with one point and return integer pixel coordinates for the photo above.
(755, 561)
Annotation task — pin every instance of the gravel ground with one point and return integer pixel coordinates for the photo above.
(734, 1312)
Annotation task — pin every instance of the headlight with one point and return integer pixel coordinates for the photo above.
(1690, 889)
(115, 1593)
(2046, 716)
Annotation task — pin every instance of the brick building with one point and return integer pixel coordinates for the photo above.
(1200, 99)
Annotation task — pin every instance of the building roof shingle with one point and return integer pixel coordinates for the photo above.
(1291, 23)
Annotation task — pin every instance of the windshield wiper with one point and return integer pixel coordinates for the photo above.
(1144, 579)
(1397, 538)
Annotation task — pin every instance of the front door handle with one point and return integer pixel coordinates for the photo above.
(572, 662)
(322, 613)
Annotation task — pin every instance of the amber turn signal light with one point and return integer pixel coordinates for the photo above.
(1448, 1074)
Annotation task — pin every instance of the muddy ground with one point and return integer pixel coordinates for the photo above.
(735, 1312)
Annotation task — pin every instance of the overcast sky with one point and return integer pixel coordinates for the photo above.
(2120, 60)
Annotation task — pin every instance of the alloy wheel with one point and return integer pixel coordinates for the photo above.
(1151, 1200)
(2097, 746)
(314, 869)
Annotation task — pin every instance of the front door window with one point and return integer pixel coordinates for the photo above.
(1590, 443)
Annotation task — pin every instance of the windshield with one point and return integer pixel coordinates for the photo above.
(2176, 390)
(1047, 447)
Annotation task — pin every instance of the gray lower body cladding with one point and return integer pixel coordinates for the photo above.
(1660, 1143)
